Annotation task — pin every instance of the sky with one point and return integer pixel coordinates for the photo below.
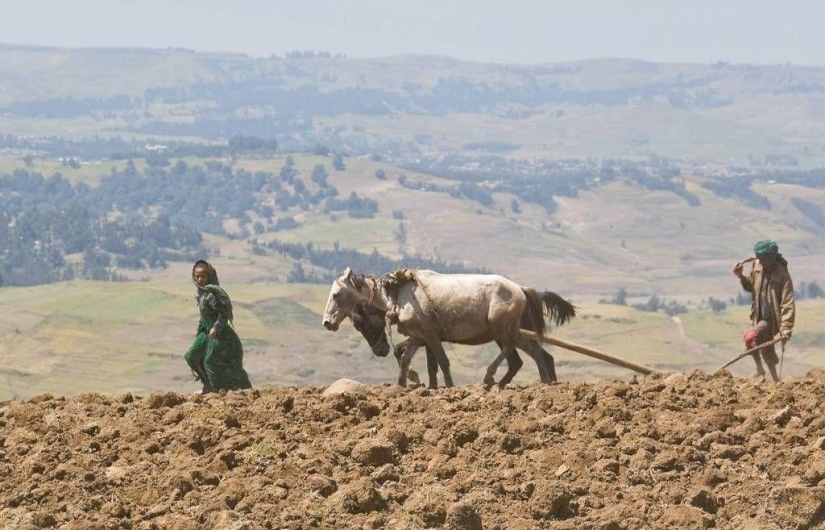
(506, 31)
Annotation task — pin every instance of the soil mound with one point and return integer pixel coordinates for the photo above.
(678, 451)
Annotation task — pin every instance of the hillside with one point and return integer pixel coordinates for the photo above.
(731, 114)
(118, 168)
(678, 451)
(85, 336)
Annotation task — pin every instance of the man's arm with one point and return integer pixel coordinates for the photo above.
(746, 281)
(787, 308)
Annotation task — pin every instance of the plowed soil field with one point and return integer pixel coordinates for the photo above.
(667, 451)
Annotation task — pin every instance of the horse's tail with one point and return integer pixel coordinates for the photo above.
(559, 310)
(533, 317)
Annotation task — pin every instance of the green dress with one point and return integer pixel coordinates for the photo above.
(219, 360)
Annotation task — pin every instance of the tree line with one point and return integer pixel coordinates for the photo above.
(134, 219)
(334, 260)
(36, 242)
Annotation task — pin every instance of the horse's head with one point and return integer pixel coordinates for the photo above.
(370, 322)
(342, 298)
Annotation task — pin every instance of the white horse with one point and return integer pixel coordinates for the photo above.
(468, 308)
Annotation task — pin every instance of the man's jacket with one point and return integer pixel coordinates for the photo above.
(780, 298)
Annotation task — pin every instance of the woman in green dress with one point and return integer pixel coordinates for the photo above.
(216, 355)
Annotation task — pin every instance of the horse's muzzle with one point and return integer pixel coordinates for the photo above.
(330, 326)
(381, 349)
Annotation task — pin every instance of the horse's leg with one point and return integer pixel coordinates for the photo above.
(535, 351)
(489, 378)
(440, 355)
(398, 352)
(412, 345)
(551, 365)
(514, 364)
(432, 367)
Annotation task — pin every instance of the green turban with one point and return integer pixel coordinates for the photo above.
(766, 249)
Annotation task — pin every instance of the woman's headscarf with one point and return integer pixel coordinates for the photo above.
(213, 287)
(213, 274)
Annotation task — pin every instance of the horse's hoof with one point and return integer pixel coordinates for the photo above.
(489, 381)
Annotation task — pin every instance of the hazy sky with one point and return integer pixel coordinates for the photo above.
(510, 31)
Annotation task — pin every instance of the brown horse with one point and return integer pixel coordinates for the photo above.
(371, 323)
(458, 308)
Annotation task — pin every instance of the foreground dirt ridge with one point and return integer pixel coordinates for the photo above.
(678, 451)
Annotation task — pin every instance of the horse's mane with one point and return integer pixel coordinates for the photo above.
(360, 280)
(393, 281)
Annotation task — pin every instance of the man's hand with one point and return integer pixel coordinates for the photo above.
(212, 333)
(737, 270)
(750, 339)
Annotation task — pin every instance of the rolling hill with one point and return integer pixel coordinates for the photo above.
(583, 178)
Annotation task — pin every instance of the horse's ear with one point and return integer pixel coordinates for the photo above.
(348, 275)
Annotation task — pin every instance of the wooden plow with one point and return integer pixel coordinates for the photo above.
(590, 352)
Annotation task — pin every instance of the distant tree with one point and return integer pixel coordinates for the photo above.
(515, 206)
(717, 306)
(815, 291)
(319, 175)
(321, 150)
(258, 227)
(620, 298)
(401, 234)
(801, 291)
(674, 308)
(180, 168)
(155, 159)
(130, 170)
(266, 210)
(241, 143)
(338, 162)
(380, 175)
(652, 305)
(288, 170)
(285, 223)
(397, 214)
(297, 274)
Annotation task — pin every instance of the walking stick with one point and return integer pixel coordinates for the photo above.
(747, 260)
(748, 352)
